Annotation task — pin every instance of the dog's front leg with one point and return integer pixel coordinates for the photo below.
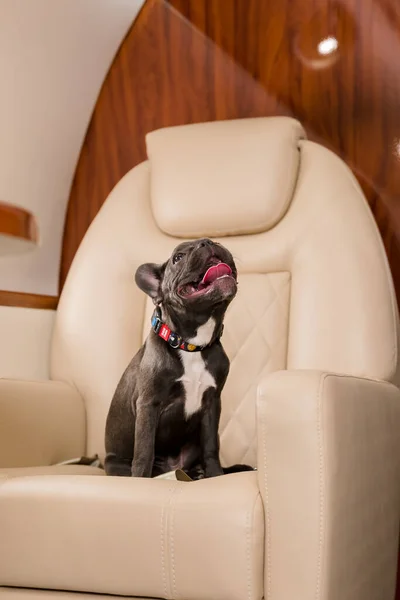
(147, 413)
(209, 433)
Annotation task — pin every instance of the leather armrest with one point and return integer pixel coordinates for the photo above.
(41, 423)
(329, 476)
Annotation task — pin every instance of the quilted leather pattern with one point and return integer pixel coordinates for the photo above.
(255, 339)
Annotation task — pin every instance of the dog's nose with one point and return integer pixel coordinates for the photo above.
(203, 243)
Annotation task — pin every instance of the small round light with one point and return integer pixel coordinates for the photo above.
(396, 148)
(328, 45)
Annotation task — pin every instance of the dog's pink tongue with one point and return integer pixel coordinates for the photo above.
(216, 271)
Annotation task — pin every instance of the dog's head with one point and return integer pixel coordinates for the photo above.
(198, 276)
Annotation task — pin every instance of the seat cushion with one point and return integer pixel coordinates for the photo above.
(134, 537)
(52, 470)
(8, 593)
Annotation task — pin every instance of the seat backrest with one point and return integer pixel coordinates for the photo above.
(315, 291)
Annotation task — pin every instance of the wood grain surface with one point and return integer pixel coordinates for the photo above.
(18, 222)
(22, 300)
(187, 61)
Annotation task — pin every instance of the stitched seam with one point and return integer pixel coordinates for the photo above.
(163, 570)
(243, 343)
(249, 529)
(276, 299)
(255, 323)
(172, 546)
(166, 531)
(267, 526)
(260, 375)
(248, 569)
(321, 490)
(286, 310)
(386, 268)
(294, 169)
(357, 378)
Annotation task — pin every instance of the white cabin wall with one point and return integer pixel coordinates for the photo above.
(54, 56)
(25, 342)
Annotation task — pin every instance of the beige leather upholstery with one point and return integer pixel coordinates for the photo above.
(171, 536)
(315, 298)
(328, 454)
(253, 162)
(30, 330)
(41, 423)
(30, 594)
(342, 316)
(51, 470)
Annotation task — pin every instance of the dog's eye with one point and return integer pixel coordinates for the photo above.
(177, 258)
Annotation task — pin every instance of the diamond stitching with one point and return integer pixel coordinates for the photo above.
(269, 343)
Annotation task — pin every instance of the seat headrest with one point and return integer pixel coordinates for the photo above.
(225, 177)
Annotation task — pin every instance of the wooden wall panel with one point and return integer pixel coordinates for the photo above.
(18, 223)
(22, 300)
(187, 61)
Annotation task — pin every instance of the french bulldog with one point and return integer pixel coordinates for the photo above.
(166, 408)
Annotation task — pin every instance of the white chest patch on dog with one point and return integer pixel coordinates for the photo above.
(196, 379)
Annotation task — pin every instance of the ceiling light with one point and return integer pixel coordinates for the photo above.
(328, 45)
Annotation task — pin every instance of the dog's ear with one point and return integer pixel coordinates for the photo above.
(149, 278)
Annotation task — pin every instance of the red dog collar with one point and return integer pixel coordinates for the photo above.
(172, 338)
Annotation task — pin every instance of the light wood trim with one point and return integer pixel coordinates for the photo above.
(22, 300)
(18, 222)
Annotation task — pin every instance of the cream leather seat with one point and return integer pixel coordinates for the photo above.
(312, 338)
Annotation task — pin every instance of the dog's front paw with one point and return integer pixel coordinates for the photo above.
(140, 469)
(196, 473)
